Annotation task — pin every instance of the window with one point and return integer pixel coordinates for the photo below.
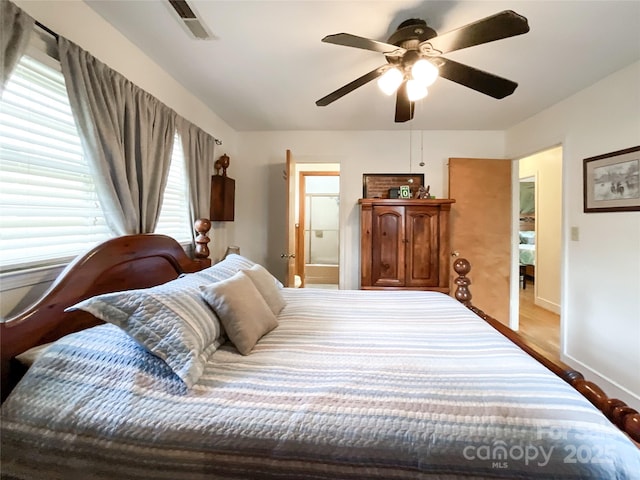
(174, 218)
(49, 211)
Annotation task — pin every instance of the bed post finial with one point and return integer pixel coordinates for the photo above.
(462, 267)
(202, 226)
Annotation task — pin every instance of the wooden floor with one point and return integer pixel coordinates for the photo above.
(538, 324)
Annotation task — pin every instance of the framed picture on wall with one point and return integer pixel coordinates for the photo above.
(611, 182)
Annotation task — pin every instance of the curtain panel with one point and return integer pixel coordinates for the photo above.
(127, 136)
(16, 27)
(199, 148)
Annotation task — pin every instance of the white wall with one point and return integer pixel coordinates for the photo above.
(260, 205)
(601, 289)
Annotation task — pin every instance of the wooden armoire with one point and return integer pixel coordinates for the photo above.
(404, 244)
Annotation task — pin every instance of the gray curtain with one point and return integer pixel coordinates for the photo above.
(127, 136)
(199, 149)
(16, 27)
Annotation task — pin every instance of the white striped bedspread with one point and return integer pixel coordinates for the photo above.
(351, 385)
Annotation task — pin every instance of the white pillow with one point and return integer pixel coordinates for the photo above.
(267, 286)
(242, 310)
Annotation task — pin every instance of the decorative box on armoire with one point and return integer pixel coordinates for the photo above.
(404, 244)
(223, 190)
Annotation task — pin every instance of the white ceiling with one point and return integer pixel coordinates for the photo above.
(266, 65)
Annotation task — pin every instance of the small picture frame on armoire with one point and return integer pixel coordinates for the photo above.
(405, 191)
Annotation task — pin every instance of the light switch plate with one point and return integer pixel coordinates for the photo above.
(575, 234)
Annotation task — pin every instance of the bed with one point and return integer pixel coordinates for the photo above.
(527, 248)
(346, 384)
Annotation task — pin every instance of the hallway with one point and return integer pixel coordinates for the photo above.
(538, 324)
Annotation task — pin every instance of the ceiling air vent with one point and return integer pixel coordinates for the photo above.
(190, 20)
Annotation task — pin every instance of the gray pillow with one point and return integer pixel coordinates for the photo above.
(244, 313)
(225, 268)
(171, 321)
(267, 286)
(228, 267)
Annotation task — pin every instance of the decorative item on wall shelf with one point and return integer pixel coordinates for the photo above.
(611, 182)
(423, 193)
(388, 185)
(223, 191)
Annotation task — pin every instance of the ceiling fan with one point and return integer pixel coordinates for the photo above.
(413, 53)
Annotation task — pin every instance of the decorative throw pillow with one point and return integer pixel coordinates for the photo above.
(266, 285)
(245, 315)
(171, 321)
(225, 268)
(228, 267)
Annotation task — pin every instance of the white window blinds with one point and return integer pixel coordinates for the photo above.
(174, 215)
(49, 210)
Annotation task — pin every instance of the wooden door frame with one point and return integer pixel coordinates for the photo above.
(290, 228)
(300, 256)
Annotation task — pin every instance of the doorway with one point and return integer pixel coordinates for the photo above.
(539, 248)
(317, 230)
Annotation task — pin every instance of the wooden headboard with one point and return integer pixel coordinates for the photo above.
(122, 263)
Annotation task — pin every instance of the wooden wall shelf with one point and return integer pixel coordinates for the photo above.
(223, 191)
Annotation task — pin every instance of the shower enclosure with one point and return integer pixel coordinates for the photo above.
(320, 214)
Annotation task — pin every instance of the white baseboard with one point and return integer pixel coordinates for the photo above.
(547, 305)
(610, 387)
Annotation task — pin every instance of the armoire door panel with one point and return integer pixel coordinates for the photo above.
(422, 247)
(387, 269)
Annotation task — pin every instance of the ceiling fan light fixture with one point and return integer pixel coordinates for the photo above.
(416, 90)
(390, 81)
(414, 59)
(424, 72)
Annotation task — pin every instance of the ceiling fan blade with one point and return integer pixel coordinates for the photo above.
(348, 40)
(483, 82)
(351, 86)
(404, 107)
(501, 25)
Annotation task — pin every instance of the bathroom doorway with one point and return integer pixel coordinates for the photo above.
(318, 229)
